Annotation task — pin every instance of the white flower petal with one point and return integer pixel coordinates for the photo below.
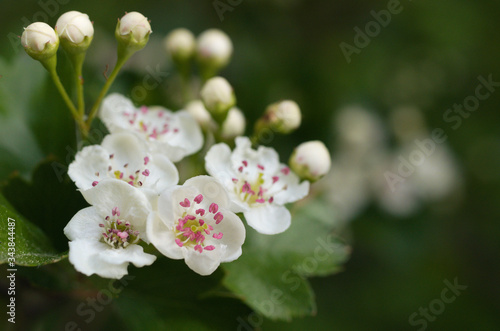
(163, 173)
(132, 253)
(126, 148)
(187, 141)
(132, 204)
(84, 225)
(210, 188)
(294, 191)
(112, 109)
(233, 235)
(203, 263)
(89, 161)
(85, 256)
(270, 219)
(162, 237)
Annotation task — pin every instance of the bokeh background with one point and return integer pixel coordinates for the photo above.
(428, 58)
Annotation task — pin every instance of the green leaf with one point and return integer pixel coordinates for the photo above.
(270, 276)
(32, 247)
(49, 199)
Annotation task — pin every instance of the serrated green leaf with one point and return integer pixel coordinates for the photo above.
(32, 247)
(270, 276)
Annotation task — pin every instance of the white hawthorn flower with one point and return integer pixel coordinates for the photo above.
(311, 160)
(214, 48)
(124, 157)
(194, 223)
(234, 125)
(74, 26)
(257, 183)
(40, 40)
(104, 237)
(175, 135)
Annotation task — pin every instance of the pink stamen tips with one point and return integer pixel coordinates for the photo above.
(275, 179)
(240, 169)
(261, 191)
(198, 248)
(101, 225)
(123, 235)
(260, 200)
(107, 218)
(185, 203)
(285, 170)
(97, 174)
(146, 172)
(131, 177)
(146, 160)
(118, 222)
(246, 188)
(144, 109)
(121, 175)
(218, 218)
(199, 198)
(190, 217)
(160, 114)
(235, 180)
(109, 168)
(105, 235)
(201, 222)
(125, 165)
(179, 242)
(213, 208)
(131, 183)
(218, 236)
(210, 248)
(210, 227)
(176, 130)
(111, 156)
(245, 163)
(260, 167)
(271, 199)
(94, 183)
(115, 211)
(200, 212)
(140, 183)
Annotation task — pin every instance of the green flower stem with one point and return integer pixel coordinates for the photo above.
(77, 61)
(119, 64)
(57, 82)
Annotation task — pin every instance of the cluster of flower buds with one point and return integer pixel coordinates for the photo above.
(212, 50)
(74, 31)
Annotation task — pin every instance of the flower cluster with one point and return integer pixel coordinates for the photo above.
(131, 180)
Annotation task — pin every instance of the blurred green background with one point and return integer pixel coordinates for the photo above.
(429, 56)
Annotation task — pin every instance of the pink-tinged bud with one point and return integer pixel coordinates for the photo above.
(311, 160)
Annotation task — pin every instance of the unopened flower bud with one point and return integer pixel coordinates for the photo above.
(75, 31)
(218, 97)
(234, 125)
(213, 51)
(133, 30)
(180, 44)
(283, 117)
(200, 114)
(311, 160)
(40, 41)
